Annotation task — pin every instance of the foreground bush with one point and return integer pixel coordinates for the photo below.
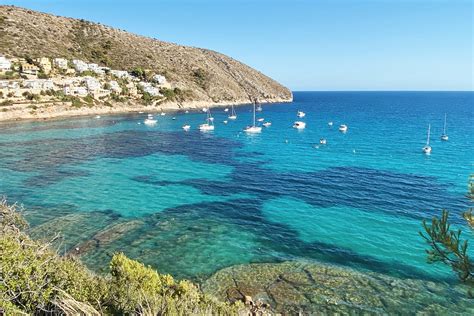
(36, 280)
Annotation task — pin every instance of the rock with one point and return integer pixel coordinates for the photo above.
(313, 288)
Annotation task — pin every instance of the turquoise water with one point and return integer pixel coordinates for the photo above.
(192, 203)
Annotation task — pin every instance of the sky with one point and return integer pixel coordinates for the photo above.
(308, 44)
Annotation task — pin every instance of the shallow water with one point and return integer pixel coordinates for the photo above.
(205, 201)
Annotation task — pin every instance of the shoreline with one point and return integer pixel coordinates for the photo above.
(59, 110)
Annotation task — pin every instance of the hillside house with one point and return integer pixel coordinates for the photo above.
(79, 65)
(93, 85)
(39, 84)
(159, 79)
(60, 63)
(75, 91)
(45, 64)
(5, 64)
(120, 74)
(149, 88)
(114, 86)
(29, 69)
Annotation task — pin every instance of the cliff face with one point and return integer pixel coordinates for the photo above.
(211, 76)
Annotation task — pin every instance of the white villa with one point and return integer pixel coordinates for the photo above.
(149, 88)
(5, 64)
(93, 85)
(159, 79)
(76, 91)
(79, 65)
(39, 84)
(60, 63)
(120, 74)
(114, 86)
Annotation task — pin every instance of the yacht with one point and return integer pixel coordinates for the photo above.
(97, 116)
(261, 119)
(323, 141)
(301, 114)
(186, 112)
(444, 136)
(232, 115)
(267, 124)
(427, 148)
(225, 121)
(343, 128)
(330, 123)
(226, 110)
(150, 121)
(253, 128)
(208, 126)
(186, 127)
(163, 114)
(299, 125)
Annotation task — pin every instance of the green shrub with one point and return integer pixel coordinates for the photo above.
(36, 280)
(89, 99)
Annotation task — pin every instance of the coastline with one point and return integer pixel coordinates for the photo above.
(58, 110)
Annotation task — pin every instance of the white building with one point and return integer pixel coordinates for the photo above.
(114, 86)
(76, 91)
(159, 79)
(96, 68)
(92, 84)
(149, 88)
(120, 74)
(79, 65)
(5, 64)
(60, 63)
(38, 84)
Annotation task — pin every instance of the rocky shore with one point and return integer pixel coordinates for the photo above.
(64, 109)
(295, 288)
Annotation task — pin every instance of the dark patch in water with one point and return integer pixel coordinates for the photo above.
(49, 154)
(55, 176)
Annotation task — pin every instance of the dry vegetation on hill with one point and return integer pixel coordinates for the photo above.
(211, 76)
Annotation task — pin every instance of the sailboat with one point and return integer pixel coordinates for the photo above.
(254, 128)
(444, 136)
(259, 107)
(232, 115)
(427, 148)
(209, 125)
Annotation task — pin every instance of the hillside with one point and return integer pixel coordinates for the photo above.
(210, 76)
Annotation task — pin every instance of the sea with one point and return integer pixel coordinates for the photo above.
(190, 203)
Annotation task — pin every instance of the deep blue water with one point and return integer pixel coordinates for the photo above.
(197, 202)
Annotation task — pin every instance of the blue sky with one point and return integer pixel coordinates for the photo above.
(309, 44)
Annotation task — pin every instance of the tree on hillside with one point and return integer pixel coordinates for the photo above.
(446, 245)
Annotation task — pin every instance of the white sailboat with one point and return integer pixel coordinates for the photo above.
(343, 128)
(232, 115)
(444, 136)
(427, 148)
(254, 128)
(186, 127)
(301, 114)
(150, 121)
(299, 125)
(209, 125)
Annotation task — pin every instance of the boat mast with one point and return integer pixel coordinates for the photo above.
(254, 113)
(444, 129)
(428, 140)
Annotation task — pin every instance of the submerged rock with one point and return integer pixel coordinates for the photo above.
(300, 287)
(106, 236)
